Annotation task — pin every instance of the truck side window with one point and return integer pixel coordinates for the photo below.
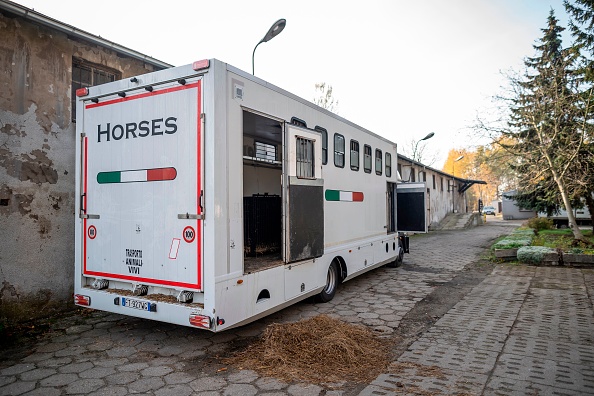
(388, 165)
(339, 150)
(367, 159)
(324, 133)
(354, 155)
(378, 162)
(305, 158)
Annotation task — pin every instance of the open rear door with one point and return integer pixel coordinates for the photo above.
(304, 194)
(411, 207)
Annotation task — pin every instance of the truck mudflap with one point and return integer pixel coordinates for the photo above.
(142, 186)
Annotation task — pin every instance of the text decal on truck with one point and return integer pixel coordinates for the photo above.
(141, 129)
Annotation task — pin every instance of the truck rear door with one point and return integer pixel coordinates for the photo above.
(411, 208)
(142, 186)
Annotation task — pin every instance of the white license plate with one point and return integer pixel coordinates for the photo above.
(136, 304)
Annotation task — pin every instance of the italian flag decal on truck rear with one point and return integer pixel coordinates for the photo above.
(132, 176)
(345, 196)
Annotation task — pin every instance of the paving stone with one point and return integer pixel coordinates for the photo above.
(117, 362)
(551, 349)
(55, 362)
(450, 357)
(110, 391)
(78, 329)
(50, 347)
(17, 369)
(304, 390)
(75, 367)
(84, 386)
(467, 338)
(208, 384)
(44, 392)
(145, 385)
(120, 352)
(70, 351)
(17, 388)
(240, 390)
(58, 380)
(178, 378)
(416, 380)
(546, 372)
(37, 374)
(38, 357)
(122, 378)
(133, 366)
(174, 390)
(97, 372)
(243, 377)
(157, 371)
(501, 386)
(268, 384)
(7, 379)
(482, 324)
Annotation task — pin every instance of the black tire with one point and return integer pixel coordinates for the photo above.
(332, 280)
(399, 259)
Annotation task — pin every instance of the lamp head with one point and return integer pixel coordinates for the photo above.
(274, 30)
(429, 136)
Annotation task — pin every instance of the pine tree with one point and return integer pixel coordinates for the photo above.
(547, 118)
(581, 24)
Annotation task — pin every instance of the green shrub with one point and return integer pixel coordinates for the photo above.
(533, 254)
(540, 223)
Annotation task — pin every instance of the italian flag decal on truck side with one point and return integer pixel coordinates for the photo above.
(345, 196)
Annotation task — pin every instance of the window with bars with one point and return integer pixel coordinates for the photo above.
(86, 74)
(378, 162)
(339, 150)
(324, 133)
(265, 151)
(354, 155)
(367, 158)
(388, 165)
(305, 158)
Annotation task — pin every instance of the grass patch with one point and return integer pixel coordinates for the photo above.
(562, 239)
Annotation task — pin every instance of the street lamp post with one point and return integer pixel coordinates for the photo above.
(274, 30)
(429, 136)
(453, 180)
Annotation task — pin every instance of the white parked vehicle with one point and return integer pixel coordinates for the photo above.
(211, 198)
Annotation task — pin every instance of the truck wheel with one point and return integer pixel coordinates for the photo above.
(331, 284)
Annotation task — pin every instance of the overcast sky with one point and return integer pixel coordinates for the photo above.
(400, 68)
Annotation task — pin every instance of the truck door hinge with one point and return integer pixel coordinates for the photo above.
(190, 216)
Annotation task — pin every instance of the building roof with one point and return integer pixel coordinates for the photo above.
(36, 17)
(466, 183)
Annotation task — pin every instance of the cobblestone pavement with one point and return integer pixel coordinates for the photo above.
(522, 330)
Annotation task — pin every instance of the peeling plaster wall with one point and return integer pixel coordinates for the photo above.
(37, 149)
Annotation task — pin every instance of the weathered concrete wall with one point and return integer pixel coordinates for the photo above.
(37, 149)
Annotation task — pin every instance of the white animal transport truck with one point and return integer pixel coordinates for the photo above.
(210, 198)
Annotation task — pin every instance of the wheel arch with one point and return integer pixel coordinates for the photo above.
(342, 267)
